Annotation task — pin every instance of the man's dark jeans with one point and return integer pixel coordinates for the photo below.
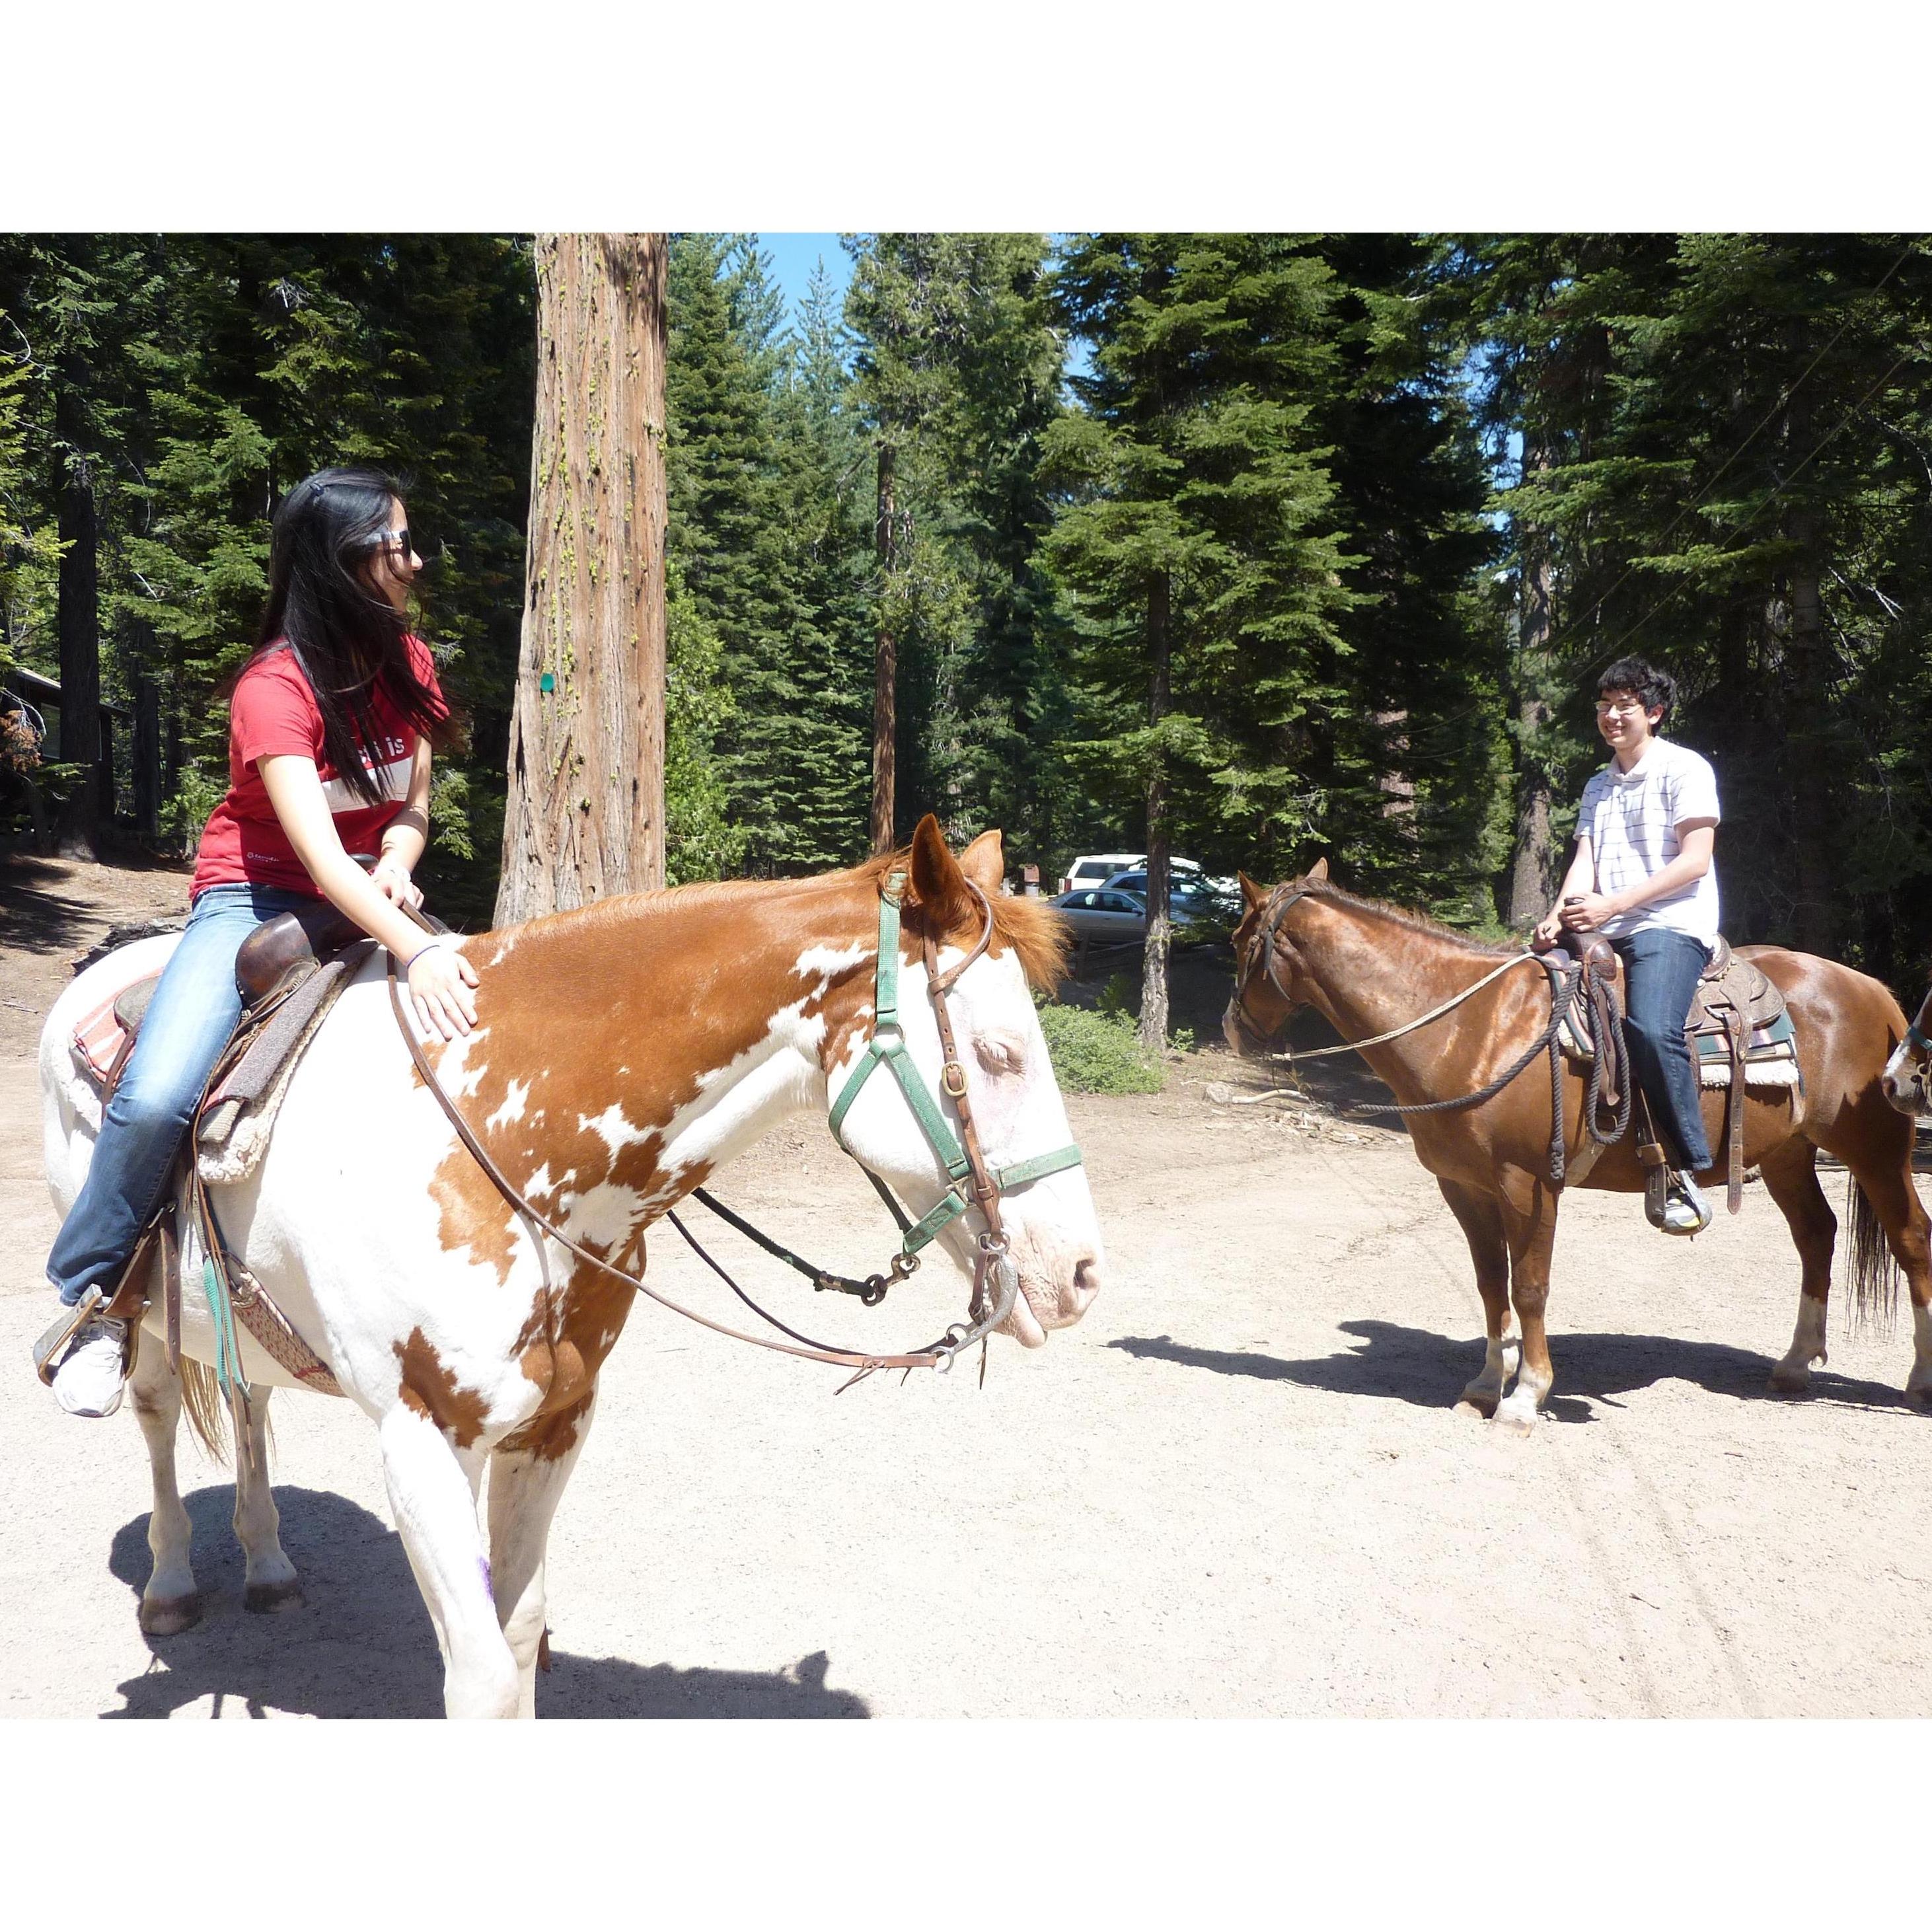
(1661, 969)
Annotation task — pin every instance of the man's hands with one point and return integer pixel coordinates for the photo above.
(1580, 912)
(1583, 911)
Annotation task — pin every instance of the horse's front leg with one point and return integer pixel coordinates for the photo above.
(1529, 1207)
(528, 1471)
(170, 1602)
(269, 1579)
(1482, 1224)
(433, 1491)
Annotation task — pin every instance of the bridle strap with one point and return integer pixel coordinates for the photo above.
(940, 1355)
(1271, 932)
(962, 1163)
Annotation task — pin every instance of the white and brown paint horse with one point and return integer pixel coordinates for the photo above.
(623, 1053)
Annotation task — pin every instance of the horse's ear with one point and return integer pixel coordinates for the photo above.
(1251, 895)
(984, 862)
(1319, 870)
(937, 882)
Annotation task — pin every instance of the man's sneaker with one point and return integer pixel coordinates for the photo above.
(1685, 1210)
(93, 1372)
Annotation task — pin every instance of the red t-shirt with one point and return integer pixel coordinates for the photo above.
(272, 714)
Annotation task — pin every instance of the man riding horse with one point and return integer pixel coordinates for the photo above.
(1643, 876)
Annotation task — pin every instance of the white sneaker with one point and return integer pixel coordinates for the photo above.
(92, 1373)
(1685, 1210)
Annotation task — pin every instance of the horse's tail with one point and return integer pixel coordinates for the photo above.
(207, 1413)
(1872, 1275)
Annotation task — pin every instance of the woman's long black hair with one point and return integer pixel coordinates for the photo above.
(347, 636)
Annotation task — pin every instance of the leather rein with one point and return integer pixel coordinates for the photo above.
(972, 1183)
(1566, 983)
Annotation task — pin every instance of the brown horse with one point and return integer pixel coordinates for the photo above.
(1368, 968)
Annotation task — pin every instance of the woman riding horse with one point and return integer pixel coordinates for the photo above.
(329, 731)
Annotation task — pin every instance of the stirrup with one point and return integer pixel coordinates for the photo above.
(1656, 1178)
(53, 1344)
(1677, 1192)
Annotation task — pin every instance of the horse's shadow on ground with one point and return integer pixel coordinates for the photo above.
(362, 1645)
(1427, 1370)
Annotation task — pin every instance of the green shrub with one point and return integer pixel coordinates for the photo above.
(1098, 1053)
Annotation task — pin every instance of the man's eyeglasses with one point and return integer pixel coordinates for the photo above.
(1627, 707)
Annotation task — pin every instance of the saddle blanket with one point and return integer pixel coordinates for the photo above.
(240, 1114)
(1770, 1057)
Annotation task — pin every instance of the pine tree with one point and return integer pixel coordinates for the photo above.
(1203, 545)
(763, 533)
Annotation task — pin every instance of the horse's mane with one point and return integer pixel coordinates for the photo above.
(1033, 929)
(1414, 922)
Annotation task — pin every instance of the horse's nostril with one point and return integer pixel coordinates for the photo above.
(1087, 1276)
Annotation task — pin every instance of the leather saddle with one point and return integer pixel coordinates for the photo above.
(277, 963)
(1738, 1030)
(275, 959)
(1732, 995)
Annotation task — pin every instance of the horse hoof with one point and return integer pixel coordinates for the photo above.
(1478, 1407)
(265, 1599)
(1920, 1397)
(168, 1616)
(1514, 1422)
(1790, 1381)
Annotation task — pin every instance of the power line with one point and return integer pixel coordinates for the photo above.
(1817, 450)
(1771, 416)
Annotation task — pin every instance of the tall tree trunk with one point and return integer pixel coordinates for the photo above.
(1153, 960)
(885, 666)
(1816, 911)
(1533, 854)
(77, 834)
(585, 814)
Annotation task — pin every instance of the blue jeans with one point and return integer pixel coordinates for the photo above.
(1661, 969)
(187, 1023)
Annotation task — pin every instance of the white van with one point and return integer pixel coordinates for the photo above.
(1095, 868)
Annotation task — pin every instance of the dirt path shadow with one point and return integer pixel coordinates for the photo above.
(1428, 1370)
(361, 1646)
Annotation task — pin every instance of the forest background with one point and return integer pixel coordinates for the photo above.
(1324, 536)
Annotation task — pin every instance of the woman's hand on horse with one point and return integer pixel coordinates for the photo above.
(391, 878)
(439, 983)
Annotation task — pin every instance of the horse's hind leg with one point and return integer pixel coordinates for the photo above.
(170, 1602)
(1790, 1172)
(1888, 1186)
(269, 1581)
(528, 1471)
(1482, 1224)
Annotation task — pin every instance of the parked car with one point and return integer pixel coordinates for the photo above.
(1106, 915)
(1189, 895)
(1104, 918)
(1095, 868)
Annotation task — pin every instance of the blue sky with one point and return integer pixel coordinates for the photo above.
(794, 257)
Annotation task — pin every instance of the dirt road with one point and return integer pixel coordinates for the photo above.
(1236, 1489)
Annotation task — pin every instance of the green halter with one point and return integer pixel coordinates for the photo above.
(887, 1046)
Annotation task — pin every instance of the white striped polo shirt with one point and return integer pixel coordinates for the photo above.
(1630, 820)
